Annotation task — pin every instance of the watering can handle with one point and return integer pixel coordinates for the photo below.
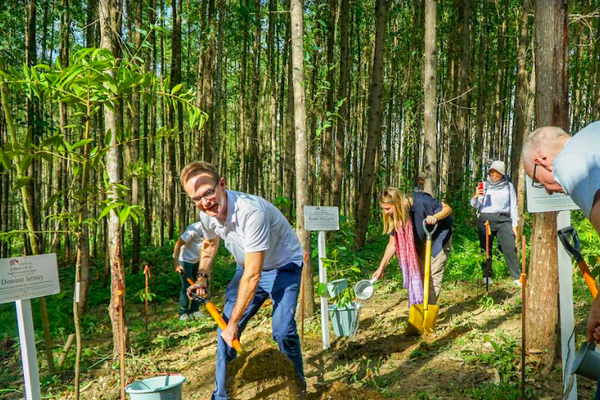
(428, 232)
(565, 235)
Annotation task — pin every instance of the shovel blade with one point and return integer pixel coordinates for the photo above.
(418, 322)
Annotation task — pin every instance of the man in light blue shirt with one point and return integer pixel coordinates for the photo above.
(570, 165)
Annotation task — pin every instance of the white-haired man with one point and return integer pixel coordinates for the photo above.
(561, 163)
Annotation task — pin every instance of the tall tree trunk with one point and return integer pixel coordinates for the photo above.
(551, 108)
(290, 139)
(521, 97)
(430, 97)
(272, 99)
(457, 140)
(150, 134)
(217, 134)
(134, 148)
(481, 94)
(253, 155)
(297, 57)
(327, 142)
(173, 120)
(31, 191)
(343, 111)
(110, 28)
(209, 152)
(374, 129)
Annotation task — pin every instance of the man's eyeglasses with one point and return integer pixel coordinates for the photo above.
(534, 182)
(208, 193)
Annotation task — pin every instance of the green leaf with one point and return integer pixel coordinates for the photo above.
(176, 88)
(51, 201)
(25, 162)
(51, 141)
(107, 209)
(124, 214)
(81, 143)
(21, 182)
(5, 160)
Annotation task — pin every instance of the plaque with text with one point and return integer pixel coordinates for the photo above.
(318, 218)
(538, 200)
(28, 277)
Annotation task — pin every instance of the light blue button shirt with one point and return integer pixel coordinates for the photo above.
(577, 167)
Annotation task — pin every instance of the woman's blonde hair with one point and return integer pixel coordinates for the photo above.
(401, 202)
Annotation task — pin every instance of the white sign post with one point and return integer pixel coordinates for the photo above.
(23, 279)
(322, 219)
(538, 200)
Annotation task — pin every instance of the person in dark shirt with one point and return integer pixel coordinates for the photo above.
(404, 214)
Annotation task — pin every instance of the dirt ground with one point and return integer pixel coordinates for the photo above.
(379, 362)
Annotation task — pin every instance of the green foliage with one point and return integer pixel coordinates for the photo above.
(504, 357)
(500, 391)
(94, 79)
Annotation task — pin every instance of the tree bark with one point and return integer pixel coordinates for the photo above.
(551, 108)
(374, 129)
(290, 138)
(343, 111)
(110, 28)
(175, 123)
(430, 97)
(521, 98)
(297, 57)
(327, 142)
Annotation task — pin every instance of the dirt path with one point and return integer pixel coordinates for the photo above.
(474, 354)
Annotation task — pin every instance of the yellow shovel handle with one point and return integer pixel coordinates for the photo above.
(427, 272)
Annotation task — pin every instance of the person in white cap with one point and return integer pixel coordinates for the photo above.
(569, 164)
(496, 202)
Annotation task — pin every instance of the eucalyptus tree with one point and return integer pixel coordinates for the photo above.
(374, 130)
(551, 108)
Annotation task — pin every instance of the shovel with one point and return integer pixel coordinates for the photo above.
(422, 317)
(574, 249)
(213, 313)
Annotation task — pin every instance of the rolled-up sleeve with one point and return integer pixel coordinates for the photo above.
(476, 203)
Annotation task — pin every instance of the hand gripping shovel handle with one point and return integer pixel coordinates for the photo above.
(429, 233)
(574, 249)
(212, 310)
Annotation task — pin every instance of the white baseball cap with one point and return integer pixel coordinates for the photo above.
(498, 166)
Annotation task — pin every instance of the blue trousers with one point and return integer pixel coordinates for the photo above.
(185, 304)
(282, 285)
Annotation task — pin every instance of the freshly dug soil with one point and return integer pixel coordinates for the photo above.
(264, 373)
(343, 391)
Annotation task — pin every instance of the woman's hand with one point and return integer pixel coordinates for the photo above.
(378, 274)
(431, 220)
(478, 193)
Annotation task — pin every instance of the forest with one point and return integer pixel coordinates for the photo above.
(314, 102)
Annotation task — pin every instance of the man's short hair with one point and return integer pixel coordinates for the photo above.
(544, 141)
(196, 168)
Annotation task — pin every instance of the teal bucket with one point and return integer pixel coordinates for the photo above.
(344, 319)
(158, 388)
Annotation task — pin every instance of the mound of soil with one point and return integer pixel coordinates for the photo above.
(343, 391)
(264, 373)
